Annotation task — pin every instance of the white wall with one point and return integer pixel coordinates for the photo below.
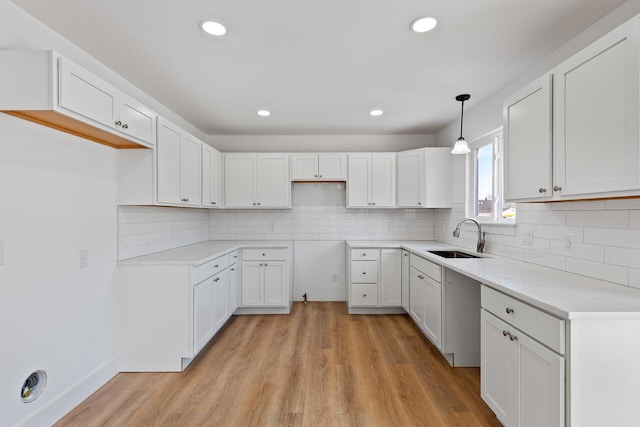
(318, 143)
(58, 196)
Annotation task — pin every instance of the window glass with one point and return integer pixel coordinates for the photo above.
(484, 181)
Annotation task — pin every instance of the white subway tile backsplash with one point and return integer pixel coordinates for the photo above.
(558, 232)
(626, 238)
(634, 277)
(545, 258)
(622, 256)
(609, 219)
(598, 270)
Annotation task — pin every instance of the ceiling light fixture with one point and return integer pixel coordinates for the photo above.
(422, 25)
(461, 146)
(264, 113)
(375, 113)
(213, 28)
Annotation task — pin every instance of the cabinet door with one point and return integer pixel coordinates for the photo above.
(220, 299)
(136, 119)
(383, 180)
(332, 166)
(85, 94)
(274, 184)
(252, 289)
(391, 281)
(168, 153)
(596, 116)
(190, 175)
(527, 142)
(202, 314)
(240, 180)
(541, 385)
(498, 360)
(304, 166)
(437, 177)
(358, 183)
(417, 296)
(276, 281)
(433, 311)
(233, 288)
(211, 176)
(411, 178)
(405, 280)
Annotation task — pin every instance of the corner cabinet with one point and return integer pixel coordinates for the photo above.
(424, 178)
(319, 167)
(257, 181)
(578, 137)
(48, 89)
(371, 180)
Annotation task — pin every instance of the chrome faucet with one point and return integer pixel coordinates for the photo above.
(481, 234)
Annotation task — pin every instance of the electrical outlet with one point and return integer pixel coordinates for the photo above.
(569, 243)
(334, 277)
(527, 240)
(83, 260)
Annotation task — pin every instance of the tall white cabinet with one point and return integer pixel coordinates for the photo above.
(573, 133)
(371, 180)
(257, 181)
(211, 177)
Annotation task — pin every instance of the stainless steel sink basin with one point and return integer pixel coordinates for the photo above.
(453, 254)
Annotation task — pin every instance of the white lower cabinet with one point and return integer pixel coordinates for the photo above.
(202, 313)
(233, 282)
(405, 266)
(375, 278)
(417, 296)
(433, 311)
(522, 380)
(265, 278)
(425, 298)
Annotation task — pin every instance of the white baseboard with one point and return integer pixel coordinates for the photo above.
(78, 392)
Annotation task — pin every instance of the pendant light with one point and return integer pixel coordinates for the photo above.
(461, 146)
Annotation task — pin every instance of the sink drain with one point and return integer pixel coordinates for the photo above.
(33, 386)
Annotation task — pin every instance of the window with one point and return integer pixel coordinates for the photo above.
(484, 196)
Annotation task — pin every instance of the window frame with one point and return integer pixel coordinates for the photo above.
(494, 137)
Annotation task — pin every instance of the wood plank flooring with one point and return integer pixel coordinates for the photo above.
(318, 366)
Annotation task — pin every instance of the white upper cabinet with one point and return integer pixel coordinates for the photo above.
(578, 137)
(257, 180)
(424, 178)
(324, 167)
(211, 177)
(178, 166)
(43, 87)
(372, 180)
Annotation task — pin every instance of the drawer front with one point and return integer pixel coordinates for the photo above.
(364, 294)
(233, 257)
(264, 254)
(210, 268)
(547, 329)
(429, 268)
(365, 254)
(364, 271)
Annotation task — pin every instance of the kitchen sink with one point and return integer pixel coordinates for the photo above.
(453, 254)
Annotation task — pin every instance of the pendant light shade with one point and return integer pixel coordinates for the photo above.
(461, 146)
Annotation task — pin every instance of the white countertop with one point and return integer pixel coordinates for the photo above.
(200, 253)
(566, 295)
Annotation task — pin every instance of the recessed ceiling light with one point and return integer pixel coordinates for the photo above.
(375, 113)
(264, 113)
(213, 28)
(422, 25)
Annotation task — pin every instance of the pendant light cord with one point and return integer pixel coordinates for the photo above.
(461, 118)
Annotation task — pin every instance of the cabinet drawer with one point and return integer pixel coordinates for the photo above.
(364, 271)
(365, 254)
(365, 294)
(429, 268)
(264, 254)
(547, 329)
(210, 268)
(233, 257)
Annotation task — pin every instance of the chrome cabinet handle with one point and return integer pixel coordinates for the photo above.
(233, 269)
(215, 266)
(420, 277)
(557, 188)
(216, 279)
(118, 123)
(542, 190)
(505, 333)
(125, 126)
(513, 337)
(509, 310)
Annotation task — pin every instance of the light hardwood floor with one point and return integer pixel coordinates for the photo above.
(317, 366)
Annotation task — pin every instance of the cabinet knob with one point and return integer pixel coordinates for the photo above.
(216, 279)
(364, 254)
(364, 295)
(118, 123)
(509, 310)
(513, 337)
(266, 265)
(213, 203)
(258, 203)
(374, 203)
(542, 190)
(420, 277)
(557, 188)
(505, 333)
(254, 203)
(186, 200)
(125, 126)
(235, 256)
(263, 254)
(320, 176)
(419, 203)
(364, 272)
(406, 254)
(261, 264)
(315, 176)
(215, 266)
(233, 269)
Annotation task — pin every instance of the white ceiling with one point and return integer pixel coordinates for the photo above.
(319, 66)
